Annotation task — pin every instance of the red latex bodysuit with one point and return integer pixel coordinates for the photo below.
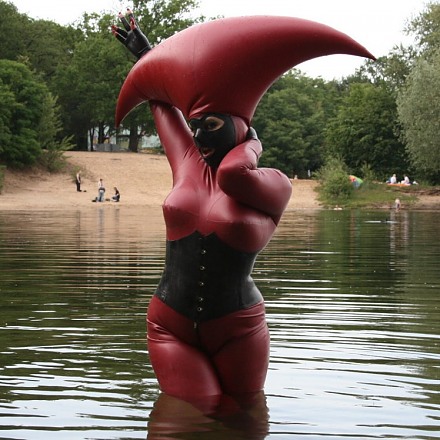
(207, 333)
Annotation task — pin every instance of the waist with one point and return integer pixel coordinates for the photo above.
(205, 279)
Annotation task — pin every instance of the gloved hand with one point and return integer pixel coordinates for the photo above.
(131, 37)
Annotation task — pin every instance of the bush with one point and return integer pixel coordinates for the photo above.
(52, 157)
(368, 175)
(335, 186)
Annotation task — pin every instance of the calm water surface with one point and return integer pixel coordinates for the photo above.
(353, 305)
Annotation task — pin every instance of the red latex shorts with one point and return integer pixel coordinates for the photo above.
(227, 355)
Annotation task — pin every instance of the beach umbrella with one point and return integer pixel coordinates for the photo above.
(356, 181)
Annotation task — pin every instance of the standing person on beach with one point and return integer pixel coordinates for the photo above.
(78, 181)
(101, 191)
(207, 332)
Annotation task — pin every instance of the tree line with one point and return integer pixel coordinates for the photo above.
(59, 85)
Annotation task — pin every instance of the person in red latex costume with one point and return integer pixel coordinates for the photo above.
(207, 333)
(207, 316)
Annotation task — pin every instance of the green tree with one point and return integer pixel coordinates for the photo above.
(41, 43)
(363, 132)
(390, 71)
(49, 129)
(23, 96)
(160, 19)
(88, 87)
(426, 29)
(11, 25)
(29, 119)
(290, 122)
(7, 104)
(49, 46)
(417, 100)
(419, 112)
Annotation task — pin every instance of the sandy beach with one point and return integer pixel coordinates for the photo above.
(142, 179)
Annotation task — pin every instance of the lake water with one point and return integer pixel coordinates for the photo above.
(353, 305)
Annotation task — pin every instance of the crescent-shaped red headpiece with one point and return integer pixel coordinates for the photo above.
(226, 65)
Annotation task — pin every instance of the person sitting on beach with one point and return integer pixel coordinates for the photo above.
(406, 181)
(392, 180)
(117, 195)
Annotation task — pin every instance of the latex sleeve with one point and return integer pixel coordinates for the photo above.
(265, 189)
(173, 131)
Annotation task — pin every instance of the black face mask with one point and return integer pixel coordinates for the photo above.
(214, 136)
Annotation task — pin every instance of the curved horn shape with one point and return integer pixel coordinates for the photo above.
(227, 65)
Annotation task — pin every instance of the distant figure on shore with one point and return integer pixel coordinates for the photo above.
(392, 180)
(397, 204)
(406, 180)
(78, 181)
(117, 195)
(101, 191)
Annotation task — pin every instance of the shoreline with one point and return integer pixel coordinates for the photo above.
(143, 179)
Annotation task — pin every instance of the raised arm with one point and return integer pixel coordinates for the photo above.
(173, 132)
(265, 189)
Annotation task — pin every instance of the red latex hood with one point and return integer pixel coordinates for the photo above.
(226, 65)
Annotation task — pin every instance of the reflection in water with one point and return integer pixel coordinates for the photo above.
(352, 304)
(239, 418)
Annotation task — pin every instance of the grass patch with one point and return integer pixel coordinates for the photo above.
(377, 195)
(374, 195)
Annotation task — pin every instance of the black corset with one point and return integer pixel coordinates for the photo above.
(205, 279)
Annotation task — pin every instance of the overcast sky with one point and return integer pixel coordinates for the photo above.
(376, 24)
